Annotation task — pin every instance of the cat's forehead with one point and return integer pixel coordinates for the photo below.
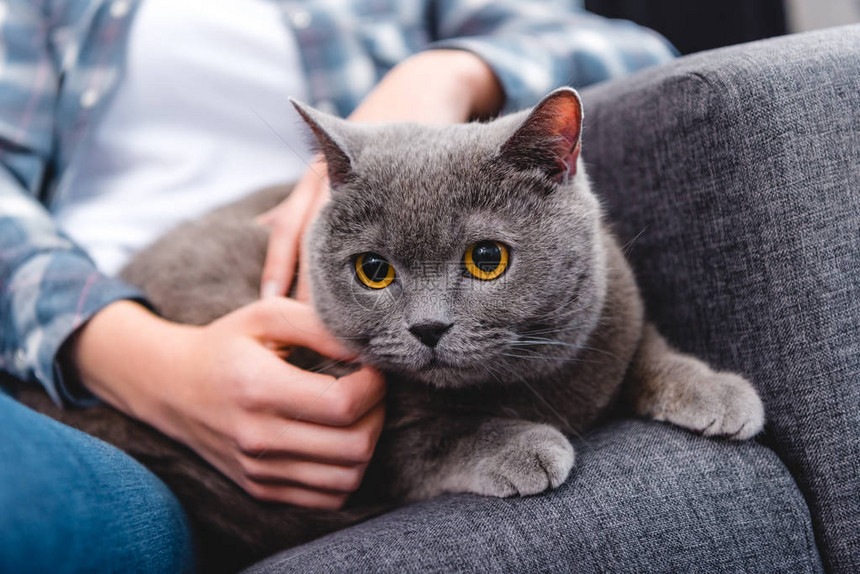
(405, 218)
(420, 151)
(421, 191)
(417, 214)
(443, 168)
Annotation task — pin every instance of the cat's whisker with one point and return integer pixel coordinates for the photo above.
(601, 351)
(320, 176)
(322, 367)
(627, 246)
(541, 357)
(566, 326)
(557, 315)
(557, 311)
(525, 342)
(565, 424)
(564, 322)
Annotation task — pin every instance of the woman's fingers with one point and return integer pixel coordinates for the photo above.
(303, 284)
(286, 391)
(288, 471)
(276, 437)
(268, 384)
(290, 322)
(283, 247)
(288, 222)
(295, 495)
(281, 256)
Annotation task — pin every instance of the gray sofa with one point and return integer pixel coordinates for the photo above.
(734, 178)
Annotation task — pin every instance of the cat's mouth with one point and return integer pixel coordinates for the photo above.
(432, 361)
(437, 367)
(435, 362)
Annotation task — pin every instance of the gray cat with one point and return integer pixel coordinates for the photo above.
(472, 265)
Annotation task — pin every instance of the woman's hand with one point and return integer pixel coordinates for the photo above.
(437, 86)
(288, 222)
(281, 433)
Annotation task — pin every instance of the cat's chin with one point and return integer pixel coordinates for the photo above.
(435, 369)
(437, 372)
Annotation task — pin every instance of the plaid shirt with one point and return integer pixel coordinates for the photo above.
(60, 60)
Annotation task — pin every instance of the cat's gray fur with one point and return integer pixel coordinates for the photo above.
(534, 357)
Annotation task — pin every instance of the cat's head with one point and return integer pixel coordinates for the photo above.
(460, 254)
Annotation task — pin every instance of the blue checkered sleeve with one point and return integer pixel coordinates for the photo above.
(536, 46)
(48, 286)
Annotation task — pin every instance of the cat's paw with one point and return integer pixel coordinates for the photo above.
(720, 404)
(531, 461)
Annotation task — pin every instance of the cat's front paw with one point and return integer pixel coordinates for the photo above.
(531, 461)
(721, 404)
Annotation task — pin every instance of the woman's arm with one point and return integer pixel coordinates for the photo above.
(536, 46)
(48, 286)
(281, 433)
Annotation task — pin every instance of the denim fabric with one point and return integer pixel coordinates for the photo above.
(71, 503)
(643, 497)
(734, 177)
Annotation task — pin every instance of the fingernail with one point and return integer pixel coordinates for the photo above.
(269, 290)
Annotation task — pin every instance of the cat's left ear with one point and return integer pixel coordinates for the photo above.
(550, 136)
(334, 141)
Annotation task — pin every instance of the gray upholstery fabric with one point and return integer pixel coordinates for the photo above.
(644, 497)
(735, 175)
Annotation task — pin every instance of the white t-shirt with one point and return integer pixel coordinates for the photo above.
(187, 129)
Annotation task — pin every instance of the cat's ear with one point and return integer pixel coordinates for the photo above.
(332, 137)
(549, 138)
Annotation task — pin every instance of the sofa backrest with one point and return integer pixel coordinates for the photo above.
(735, 177)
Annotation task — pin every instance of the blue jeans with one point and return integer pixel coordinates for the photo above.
(72, 503)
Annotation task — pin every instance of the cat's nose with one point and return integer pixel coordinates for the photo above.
(430, 333)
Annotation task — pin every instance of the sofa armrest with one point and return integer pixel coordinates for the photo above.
(735, 176)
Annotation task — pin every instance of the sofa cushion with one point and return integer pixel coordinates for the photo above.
(643, 496)
(734, 177)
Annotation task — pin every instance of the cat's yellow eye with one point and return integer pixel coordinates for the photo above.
(486, 260)
(374, 270)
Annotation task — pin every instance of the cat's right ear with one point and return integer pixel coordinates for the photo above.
(332, 139)
(549, 137)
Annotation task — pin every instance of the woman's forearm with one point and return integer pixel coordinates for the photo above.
(437, 86)
(223, 391)
(124, 352)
